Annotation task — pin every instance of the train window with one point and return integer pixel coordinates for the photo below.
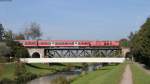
(75, 42)
(110, 43)
(58, 43)
(105, 43)
(29, 43)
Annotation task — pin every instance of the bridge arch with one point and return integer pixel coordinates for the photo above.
(36, 51)
(125, 51)
(35, 55)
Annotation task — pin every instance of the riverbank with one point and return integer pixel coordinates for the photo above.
(110, 74)
(37, 70)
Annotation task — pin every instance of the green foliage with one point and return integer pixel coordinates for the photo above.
(1, 32)
(60, 80)
(1, 69)
(20, 69)
(4, 52)
(140, 44)
(7, 81)
(10, 48)
(21, 53)
(18, 51)
(85, 66)
(9, 35)
(4, 49)
(16, 74)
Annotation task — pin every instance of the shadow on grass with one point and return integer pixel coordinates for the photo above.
(146, 67)
(49, 68)
(36, 66)
(58, 64)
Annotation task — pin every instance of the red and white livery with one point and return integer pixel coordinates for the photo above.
(68, 43)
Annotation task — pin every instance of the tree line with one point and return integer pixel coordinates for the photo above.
(11, 50)
(140, 43)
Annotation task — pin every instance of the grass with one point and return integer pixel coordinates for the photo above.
(8, 71)
(43, 69)
(139, 75)
(107, 75)
(39, 69)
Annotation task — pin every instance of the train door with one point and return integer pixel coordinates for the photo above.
(76, 43)
(52, 43)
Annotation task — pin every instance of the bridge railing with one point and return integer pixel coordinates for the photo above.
(72, 60)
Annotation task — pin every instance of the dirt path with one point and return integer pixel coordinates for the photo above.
(127, 76)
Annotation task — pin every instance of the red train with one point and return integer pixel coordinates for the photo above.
(67, 43)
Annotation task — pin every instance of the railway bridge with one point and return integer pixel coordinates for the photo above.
(73, 48)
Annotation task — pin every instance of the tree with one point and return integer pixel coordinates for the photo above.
(21, 52)
(140, 44)
(9, 35)
(33, 32)
(4, 51)
(1, 32)
(17, 50)
(1, 69)
(131, 35)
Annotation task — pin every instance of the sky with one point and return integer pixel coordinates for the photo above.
(76, 19)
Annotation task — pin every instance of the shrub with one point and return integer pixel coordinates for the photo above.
(1, 69)
(60, 80)
(7, 81)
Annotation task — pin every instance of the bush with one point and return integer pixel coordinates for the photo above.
(7, 81)
(1, 69)
(60, 80)
(20, 69)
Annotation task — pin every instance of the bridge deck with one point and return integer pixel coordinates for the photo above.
(73, 60)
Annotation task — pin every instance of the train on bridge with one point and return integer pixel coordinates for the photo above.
(68, 43)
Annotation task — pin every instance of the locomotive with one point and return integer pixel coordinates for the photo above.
(68, 43)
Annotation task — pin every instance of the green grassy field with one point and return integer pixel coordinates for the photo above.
(139, 76)
(107, 75)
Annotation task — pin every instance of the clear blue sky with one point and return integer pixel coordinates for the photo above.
(76, 19)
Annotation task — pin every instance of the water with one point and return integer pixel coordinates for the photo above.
(49, 78)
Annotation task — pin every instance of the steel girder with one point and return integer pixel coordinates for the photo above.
(82, 52)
